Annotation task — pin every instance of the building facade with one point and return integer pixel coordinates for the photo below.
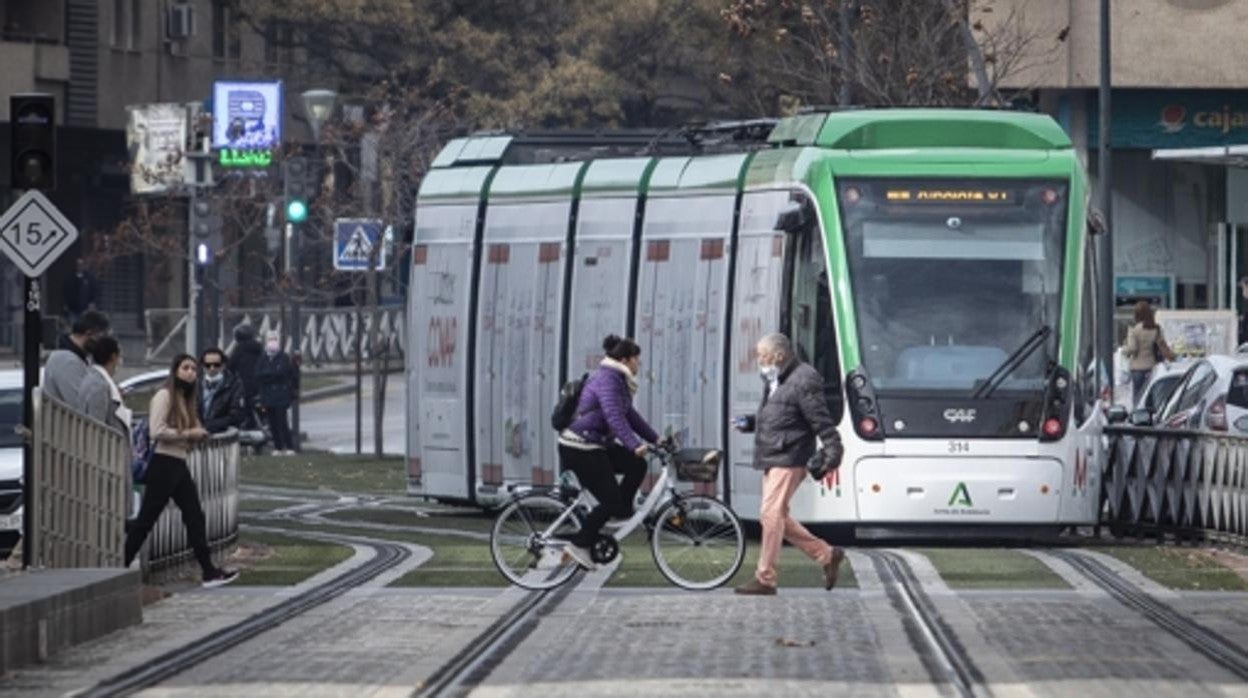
(97, 57)
(1179, 107)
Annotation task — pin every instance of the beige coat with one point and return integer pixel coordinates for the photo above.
(168, 440)
(1139, 348)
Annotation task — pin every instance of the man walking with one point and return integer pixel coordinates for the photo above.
(792, 414)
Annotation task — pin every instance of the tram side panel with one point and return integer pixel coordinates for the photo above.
(519, 315)
(600, 278)
(680, 316)
(437, 358)
(755, 313)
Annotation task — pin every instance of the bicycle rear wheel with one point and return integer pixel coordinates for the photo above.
(698, 543)
(523, 548)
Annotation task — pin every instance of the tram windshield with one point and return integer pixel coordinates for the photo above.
(951, 277)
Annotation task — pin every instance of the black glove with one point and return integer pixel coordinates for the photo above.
(825, 460)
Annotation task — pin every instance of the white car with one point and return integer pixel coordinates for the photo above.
(1203, 398)
(10, 458)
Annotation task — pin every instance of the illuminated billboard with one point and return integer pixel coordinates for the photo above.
(247, 115)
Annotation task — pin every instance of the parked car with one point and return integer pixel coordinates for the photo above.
(1160, 385)
(10, 460)
(1203, 398)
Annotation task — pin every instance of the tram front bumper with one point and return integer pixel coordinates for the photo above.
(958, 490)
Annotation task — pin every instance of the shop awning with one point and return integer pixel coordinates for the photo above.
(1228, 155)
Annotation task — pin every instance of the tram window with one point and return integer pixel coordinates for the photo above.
(1085, 381)
(813, 329)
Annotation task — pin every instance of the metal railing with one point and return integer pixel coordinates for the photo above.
(81, 477)
(214, 467)
(1182, 483)
(328, 334)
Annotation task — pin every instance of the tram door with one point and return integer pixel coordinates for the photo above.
(680, 315)
(519, 316)
(755, 312)
(600, 278)
(807, 319)
(437, 360)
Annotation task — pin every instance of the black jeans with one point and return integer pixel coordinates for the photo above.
(169, 478)
(597, 470)
(280, 428)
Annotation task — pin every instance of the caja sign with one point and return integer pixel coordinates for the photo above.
(1174, 118)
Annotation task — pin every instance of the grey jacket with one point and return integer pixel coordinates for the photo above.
(789, 419)
(96, 400)
(62, 376)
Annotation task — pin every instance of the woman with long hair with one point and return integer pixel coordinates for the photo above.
(1146, 347)
(174, 427)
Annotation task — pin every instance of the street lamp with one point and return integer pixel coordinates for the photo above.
(317, 105)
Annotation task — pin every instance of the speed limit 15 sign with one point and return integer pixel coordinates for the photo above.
(33, 233)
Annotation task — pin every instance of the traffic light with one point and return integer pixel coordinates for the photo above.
(32, 142)
(205, 226)
(297, 181)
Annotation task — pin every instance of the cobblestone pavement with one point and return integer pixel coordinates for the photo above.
(664, 642)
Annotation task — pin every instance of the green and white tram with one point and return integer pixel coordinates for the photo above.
(933, 265)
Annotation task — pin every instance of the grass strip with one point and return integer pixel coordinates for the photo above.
(991, 568)
(318, 470)
(464, 520)
(272, 559)
(1181, 569)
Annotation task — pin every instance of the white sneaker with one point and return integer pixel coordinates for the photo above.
(551, 558)
(580, 556)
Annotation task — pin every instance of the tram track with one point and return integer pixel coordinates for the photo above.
(946, 659)
(1209, 643)
(387, 555)
(465, 671)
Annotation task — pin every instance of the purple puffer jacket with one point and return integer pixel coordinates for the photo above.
(605, 411)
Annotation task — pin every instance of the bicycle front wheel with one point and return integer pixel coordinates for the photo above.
(526, 549)
(698, 543)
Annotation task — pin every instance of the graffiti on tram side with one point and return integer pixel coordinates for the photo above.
(440, 341)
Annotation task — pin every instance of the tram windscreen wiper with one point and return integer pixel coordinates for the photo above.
(1012, 362)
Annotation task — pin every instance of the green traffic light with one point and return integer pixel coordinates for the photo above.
(296, 211)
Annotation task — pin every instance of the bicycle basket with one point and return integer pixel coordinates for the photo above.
(697, 464)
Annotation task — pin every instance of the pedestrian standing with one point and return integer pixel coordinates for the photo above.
(81, 292)
(98, 394)
(243, 360)
(174, 426)
(67, 364)
(222, 402)
(1145, 348)
(275, 375)
(793, 412)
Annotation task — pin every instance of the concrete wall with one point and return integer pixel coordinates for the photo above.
(1155, 43)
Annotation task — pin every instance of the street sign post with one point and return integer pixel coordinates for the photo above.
(33, 234)
(354, 241)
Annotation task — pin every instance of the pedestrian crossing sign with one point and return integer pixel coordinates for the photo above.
(354, 242)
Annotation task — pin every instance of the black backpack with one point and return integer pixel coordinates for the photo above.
(565, 407)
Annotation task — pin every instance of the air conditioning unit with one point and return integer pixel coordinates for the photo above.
(181, 20)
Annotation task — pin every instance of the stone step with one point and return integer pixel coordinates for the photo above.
(45, 611)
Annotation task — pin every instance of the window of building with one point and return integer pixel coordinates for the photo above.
(226, 36)
(279, 43)
(127, 26)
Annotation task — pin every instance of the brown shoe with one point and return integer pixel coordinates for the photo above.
(833, 568)
(755, 588)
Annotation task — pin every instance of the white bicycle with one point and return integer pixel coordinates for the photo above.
(697, 542)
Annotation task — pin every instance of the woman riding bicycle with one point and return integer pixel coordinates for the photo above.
(607, 437)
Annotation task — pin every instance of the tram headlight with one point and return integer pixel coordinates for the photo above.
(1052, 427)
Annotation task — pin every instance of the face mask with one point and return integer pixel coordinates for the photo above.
(185, 387)
(213, 381)
(272, 346)
(769, 373)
